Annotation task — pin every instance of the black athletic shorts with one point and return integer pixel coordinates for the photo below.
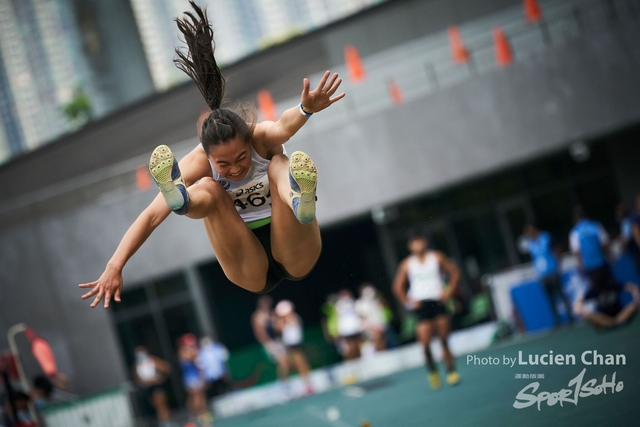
(600, 278)
(276, 272)
(429, 310)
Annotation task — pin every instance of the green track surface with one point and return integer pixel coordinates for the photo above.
(486, 393)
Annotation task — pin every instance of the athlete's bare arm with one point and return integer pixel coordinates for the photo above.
(268, 135)
(400, 281)
(193, 166)
(633, 289)
(259, 331)
(452, 270)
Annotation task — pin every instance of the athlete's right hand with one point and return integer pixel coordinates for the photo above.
(108, 285)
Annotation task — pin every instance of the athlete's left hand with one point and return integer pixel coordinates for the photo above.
(320, 98)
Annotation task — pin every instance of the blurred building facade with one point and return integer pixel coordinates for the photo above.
(60, 56)
(471, 153)
(66, 62)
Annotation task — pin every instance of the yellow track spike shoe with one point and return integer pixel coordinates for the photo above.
(453, 378)
(166, 173)
(303, 178)
(434, 380)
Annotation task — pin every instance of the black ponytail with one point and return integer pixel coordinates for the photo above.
(199, 63)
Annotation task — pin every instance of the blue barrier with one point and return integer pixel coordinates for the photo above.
(534, 306)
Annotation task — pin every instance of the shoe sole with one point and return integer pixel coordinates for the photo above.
(305, 174)
(160, 166)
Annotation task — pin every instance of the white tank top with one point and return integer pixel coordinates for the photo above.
(425, 281)
(146, 370)
(251, 196)
(292, 333)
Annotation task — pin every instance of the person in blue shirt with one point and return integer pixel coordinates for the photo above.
(213, 362)
(588, 240)
(539, 245)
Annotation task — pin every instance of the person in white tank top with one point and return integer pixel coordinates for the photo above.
(150, 373)
(426, 294)
(289, 326)
(239, 181)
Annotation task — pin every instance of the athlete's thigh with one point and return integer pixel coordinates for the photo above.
(424, 331)
(444, 325)
(294, 245)
(237, 249)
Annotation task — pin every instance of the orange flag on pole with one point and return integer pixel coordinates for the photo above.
(355, 69)
(266, 106)
(532, 10)
(504, 56)
(459, 52)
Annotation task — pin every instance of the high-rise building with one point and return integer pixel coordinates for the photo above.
(51, 48)
(241, 27)
(37, 72)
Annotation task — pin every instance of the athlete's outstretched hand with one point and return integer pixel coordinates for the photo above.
(107, 286)
(321, 97)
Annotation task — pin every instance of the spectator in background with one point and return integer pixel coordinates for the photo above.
(349, 325)
(623, 217)
(213, 361)
(22, 414)
(609, 311)
(329, 321)
(41, 392)
(192, 378)
(289, 326)
(262, 323)
(422, 270)
(372, 314)
(539, 245)
(588, 241)
(150, 373)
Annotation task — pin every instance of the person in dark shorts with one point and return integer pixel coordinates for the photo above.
(609, 311)
(426, 296)
(539, 245)
(150, 373)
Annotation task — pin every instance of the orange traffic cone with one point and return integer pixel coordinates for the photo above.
(532, 10)
(355, 69)
(504, 56)
(459, 52)
(266, 106)
(395, 92)
(143, 179)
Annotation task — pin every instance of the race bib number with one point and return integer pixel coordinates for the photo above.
(252, 197)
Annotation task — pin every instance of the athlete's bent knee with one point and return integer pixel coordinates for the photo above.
(276, 163)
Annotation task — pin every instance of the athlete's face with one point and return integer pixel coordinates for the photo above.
(232, 159)
(418, 246)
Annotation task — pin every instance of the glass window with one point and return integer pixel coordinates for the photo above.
(599, 198)
(171, 285)
(509, 184)
(180, 320)
(139, 331)
(598, 160)
(481, 245)
(131, 298)
(546, 172)
(472, 195)
(553, 213)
